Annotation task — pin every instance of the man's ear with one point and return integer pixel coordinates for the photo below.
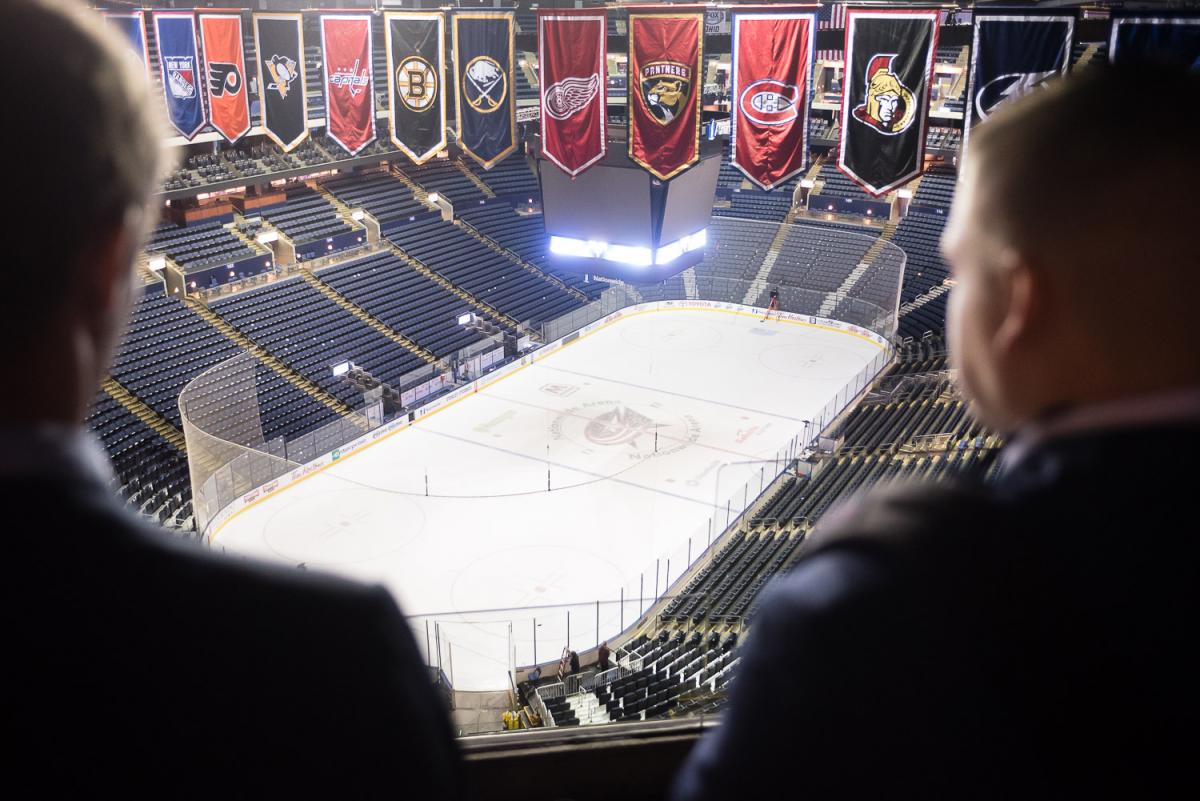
(1023, 292)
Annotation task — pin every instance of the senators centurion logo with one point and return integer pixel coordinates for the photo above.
(571, 95)
(485, 84)
(666, 87)
(416, 84)
(770, 102)
(283, 71)
(890, 106)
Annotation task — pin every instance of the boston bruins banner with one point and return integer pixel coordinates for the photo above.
(416, 68)
(225, 74)
(889, 64)
(572, 54)
(179, 61)
(772, 68)
(279, 42)
(483, 85)
(1162, 38)
(665, 76)
(349, 87)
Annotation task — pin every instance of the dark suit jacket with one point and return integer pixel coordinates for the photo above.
(137, 665)
(1030, 637)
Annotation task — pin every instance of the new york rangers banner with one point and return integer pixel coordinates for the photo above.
(225, 73)
(483, 85)
(133, 28)
(180, 65)
(279, 42)
(772, 69)
(1164, 39)
(665, 75)
(349, 85)
(572, 57)
(416, 48)
(885, 103)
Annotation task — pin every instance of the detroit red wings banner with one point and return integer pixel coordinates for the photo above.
(572, 54)
(225, 74)
(349, 85)
(665, 58)
(772, 69)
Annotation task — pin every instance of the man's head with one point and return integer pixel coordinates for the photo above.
(1073, 245)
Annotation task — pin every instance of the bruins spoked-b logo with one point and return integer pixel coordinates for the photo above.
(890, 106)
(666, 87)
(416, 84)
(485, 84)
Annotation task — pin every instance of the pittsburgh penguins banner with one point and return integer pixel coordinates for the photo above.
(665, 76)
(133, 28)
(889, 66)
(772, 69)
(1160, 38)
(279, 42)
(572, 58)
(483, 85)
(180, 64)
(416, 48)
(349, 85)
(225, 72)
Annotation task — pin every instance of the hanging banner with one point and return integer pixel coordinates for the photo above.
(179, 63)
(665, 76)
(483, 85)
(885, 103)
(225, 73)
(132, 27)
(282, 83)
(349, 85)
(772, 82)
(572, 58)
(416, 51)
(1159, 38)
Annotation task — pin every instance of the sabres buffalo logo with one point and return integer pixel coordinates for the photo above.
(485, 84)
(890, 106)
(770, 102)
(666, 88)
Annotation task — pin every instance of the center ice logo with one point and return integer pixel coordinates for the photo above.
(617, 427)
(593, 428)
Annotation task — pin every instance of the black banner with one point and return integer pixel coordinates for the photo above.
(1171, 39)
(483, 66)
(279, 43)
(416, 70)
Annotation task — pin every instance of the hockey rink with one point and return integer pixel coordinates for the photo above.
(560, 484)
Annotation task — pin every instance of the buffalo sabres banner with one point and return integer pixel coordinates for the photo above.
(180, 64)
(483, 85)
(225, 74)
(279, 42)
(349, 86)
(572, 54)
(133, 29)
(416, 68)
(1161, 38)
(665, 59)
(772, 65)
(889, 64)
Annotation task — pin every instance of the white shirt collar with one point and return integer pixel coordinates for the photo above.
(48, 450)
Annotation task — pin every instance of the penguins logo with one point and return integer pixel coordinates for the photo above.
(416, 84)
(890, 106)
(283, 72)
(666, 86)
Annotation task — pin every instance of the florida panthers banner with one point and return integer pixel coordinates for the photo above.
(279, 42)
(889, 66)
(349, 86)
(572, 58)
(1161, 38)
(416, 48)
(225, 74)
(772, 65)
(483, 85)
(180, 65)
(665, 76)
(133, 29)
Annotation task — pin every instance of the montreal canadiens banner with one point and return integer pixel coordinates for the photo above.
(483, 85)
(665, 74)
(416, 50)
(225, 74)
(572, 58)
(885, 102)
(132, 27)
(1161, 38)
(772, 69)
(349, 85)
(180, 64)
(279, 43)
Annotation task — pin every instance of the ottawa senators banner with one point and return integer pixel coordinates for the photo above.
(1162, 38)
(483, 85)
(132, 27)
(885, 103)
(416, 49)
(225, 73)
(179, 61)
(772, 75)
(279, 42)
(665, 76)
(572, 58)
(349, 85)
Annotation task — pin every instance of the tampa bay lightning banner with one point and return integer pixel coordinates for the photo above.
(483, 85)
(1158, 38)
(180, 64)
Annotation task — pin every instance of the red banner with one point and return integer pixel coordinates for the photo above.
(349, 85)
(772, 65)
(225, 74)
(665, 80)
(572, 53)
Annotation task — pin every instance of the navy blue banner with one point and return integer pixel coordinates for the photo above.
(483, 78)
(1173, 40)
(131, 27)
(180, 65)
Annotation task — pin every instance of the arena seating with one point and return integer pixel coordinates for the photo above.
(382, 195)
(305, 217)
(443, 177)
(755, 204)
(196, 246)
(511, 177)
(838, 185)
(936, 188)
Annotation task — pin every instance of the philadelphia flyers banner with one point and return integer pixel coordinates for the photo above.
(416, 48)
(772, 69)
(349, 86)
(279, 42)
(665, 77)
(225, 74)
(885, 101)
(572, 54)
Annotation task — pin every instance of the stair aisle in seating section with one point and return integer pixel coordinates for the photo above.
(520, 262)
(758, 286)
(473, 178)
(418, 192)
(587, 708)
(831, 300)
(144, 413)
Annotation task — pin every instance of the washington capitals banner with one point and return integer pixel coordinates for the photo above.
(133, 28)
(889, 66)
(180, 65)
(772, 68)
(483, 85)
(665, 76)
(225, 71)
(279, 42)
(349, 85)
(1173, 40)
(416, 49)
(572, 57)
